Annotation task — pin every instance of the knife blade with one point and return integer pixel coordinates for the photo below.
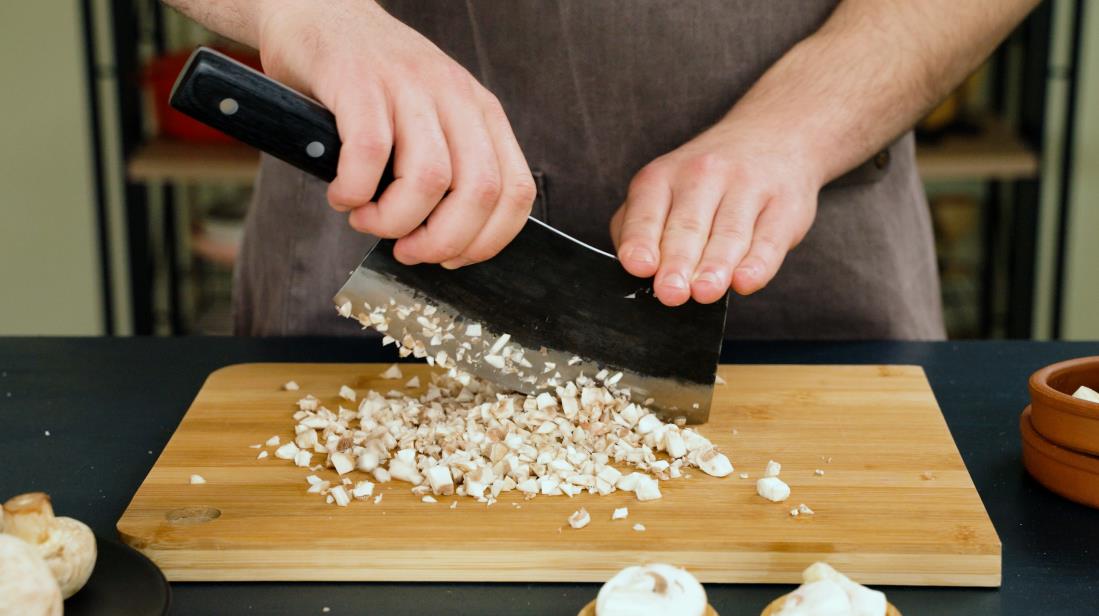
(549, 307)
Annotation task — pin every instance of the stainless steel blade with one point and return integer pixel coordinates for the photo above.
(548, 308)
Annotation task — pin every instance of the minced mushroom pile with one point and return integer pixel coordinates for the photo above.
(462, 437)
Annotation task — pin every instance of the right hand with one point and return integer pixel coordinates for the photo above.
(463, 189)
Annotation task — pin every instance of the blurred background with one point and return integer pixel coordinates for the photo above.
(121, 217)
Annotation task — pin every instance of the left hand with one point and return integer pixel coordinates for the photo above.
(719, 212)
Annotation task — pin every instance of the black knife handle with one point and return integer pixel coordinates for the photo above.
(250, 106)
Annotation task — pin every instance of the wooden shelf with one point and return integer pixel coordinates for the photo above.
(164, 160)
(995, 153)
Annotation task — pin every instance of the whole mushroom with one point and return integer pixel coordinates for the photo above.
(66, 545)
(27, 587)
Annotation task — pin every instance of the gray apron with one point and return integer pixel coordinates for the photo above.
(595, 90)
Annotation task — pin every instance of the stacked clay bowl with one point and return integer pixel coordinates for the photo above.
(1061, 433)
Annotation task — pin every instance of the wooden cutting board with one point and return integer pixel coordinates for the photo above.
(895, 504)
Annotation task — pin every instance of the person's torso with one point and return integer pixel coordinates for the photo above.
(596, 89)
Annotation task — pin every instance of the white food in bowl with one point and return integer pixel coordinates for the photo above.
(655, 589)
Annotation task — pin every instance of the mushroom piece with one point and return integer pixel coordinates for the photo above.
(773, 489)
(1086, 393)
(654, 589)
(27, 587)
(67, 545)
(864, 601)
(826, 591)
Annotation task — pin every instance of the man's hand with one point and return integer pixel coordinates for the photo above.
(720, 211)
(462, 190)
(723, 210)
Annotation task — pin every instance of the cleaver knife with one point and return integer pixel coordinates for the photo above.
(544, 311)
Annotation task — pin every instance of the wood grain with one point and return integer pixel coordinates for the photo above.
(895, 504)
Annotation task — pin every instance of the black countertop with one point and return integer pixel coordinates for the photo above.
(84, 419)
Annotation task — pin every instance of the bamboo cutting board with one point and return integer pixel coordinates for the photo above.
(895, 504)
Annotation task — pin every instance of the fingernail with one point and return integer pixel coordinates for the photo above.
(708, 277)
(641, 255)
(453, 264)
(675, 281)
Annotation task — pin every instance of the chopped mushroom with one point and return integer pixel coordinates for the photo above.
(412, 383)
(291, 386)
(287, 451)
(339, 494)
(462, 436)
(392, 372)
(773, 469)
(712, 462)
(347, 393)
(197, 480)
(639, 527)
(579, 518)
(620, 513)
(773, 489)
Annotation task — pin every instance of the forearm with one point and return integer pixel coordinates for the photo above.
(870, 72)
(235, 19)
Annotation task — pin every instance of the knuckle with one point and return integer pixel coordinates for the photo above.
(492, 106)
(523, 192)
(434, 176)
(372, 147)
(443, 249)
(706, 164)
(640, 223)
(459, 76)
(729, 233)
(767, 244)
(480, 252)
(649, 177)
(685, 226)
(486, 189)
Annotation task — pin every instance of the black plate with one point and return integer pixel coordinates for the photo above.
(124, 581)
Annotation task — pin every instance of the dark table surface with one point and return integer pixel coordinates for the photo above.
(110, 406)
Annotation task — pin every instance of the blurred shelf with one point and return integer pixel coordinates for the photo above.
(165, 160)
(995, 153)
(213, 248)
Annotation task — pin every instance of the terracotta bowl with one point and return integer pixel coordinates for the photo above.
(589, 610)
(1056, 415)
(1073, 475)
(776, 605)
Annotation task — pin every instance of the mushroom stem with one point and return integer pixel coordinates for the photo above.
(29, 516)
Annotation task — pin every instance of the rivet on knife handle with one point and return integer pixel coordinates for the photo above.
(247, 105)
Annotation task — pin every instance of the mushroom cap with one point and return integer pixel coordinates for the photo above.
(654, 589)
(27, 588)
(70, 553)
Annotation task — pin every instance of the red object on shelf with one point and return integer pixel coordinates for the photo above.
(161, 75)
